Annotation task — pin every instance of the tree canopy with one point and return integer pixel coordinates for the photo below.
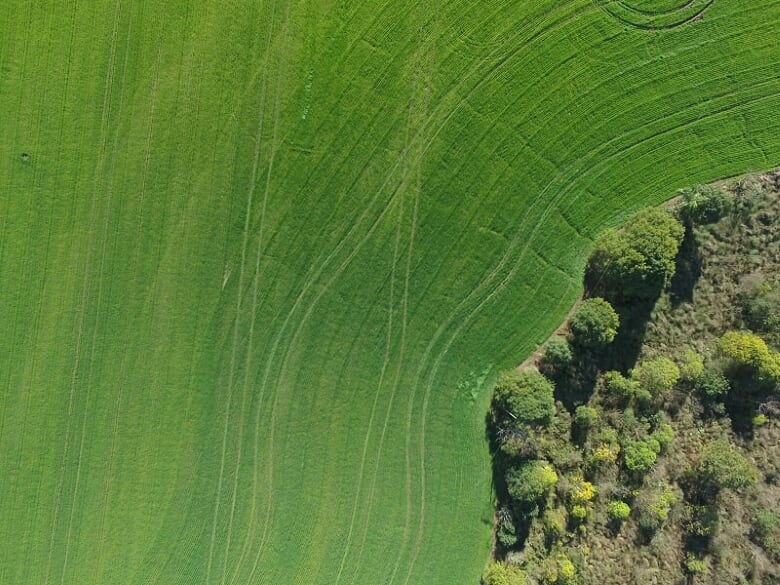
(638, 261)
(594, 324)
(722, 466)
(530, 482)
(527, 395)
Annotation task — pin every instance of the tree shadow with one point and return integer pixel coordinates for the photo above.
(748, 396)
(623, 353)
(575, 384)
(688, 265)
(500, 464)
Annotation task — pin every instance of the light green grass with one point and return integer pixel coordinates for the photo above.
(266, 258)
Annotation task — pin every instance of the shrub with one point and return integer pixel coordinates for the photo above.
(655, 509)
(582, 492)
(664, 435)
(761, 303)
(765, 532)
(759, 420)
(531, 482)
(506, 532)
(554, 524)
(503, 574)
(713, 385)
(703, 204)
(578, 514)
(695, 566)
(691, 366)
(700, 520)
(527, 395)
(618, 511)
(658, 376)
(722, 466)
(639, 456)
(603, 455)
(750, 351)
(558, 570)
(637, 262)
(586, 416)
(617, 385)
(594, 324)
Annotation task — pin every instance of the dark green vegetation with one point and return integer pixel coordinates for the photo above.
(668, 471)
(262, 260)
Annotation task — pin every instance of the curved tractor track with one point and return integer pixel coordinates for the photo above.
(262, 260)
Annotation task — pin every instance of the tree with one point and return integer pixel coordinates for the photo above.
(713, 385)
(658, 376)
(703, 204)
(527, 395)
(746, 350)
(722, 466)
(531, 482)
(557, 356)
(618, 511)
(639, 456)
(503, 574)
(594, 324)
(639, 261)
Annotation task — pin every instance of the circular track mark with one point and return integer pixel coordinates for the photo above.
(654, 15)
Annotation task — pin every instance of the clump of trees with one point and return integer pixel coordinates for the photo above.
(588, 441)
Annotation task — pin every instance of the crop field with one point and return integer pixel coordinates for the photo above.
(261, 260)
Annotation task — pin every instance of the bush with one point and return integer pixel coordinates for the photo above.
(655, 509)
(703, 204)
(695, 566)
(700, 520)
(766, 532)
(582, 492)
(554, 524)
(586, 416)
(526, 395)
(658, 376)
(531, 482)
(664, 435)
(713, 385)
(594, 324)
(618, 511)
(603, 455)
(558, 570)
(617, 385)
(691, 366)
(639, 456)
(759, 420)
(761, 304)
(639, 261)
(506, 533)
(750, 351)
(503, 574)
(722, 466)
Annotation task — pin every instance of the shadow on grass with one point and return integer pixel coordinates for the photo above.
(688, 265)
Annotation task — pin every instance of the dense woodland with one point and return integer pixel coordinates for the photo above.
(643, 445)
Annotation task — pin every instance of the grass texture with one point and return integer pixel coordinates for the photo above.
(261, 260)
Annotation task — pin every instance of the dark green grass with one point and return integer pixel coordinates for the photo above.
(264, 260)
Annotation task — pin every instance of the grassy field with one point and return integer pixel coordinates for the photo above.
(262, 260)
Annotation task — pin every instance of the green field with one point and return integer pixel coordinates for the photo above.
(263, 260)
